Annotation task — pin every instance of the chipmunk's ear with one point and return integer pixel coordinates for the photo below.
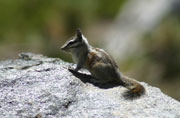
(79, 34)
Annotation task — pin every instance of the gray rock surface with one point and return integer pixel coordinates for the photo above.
(35, 86)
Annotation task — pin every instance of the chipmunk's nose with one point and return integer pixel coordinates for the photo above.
(62, 48)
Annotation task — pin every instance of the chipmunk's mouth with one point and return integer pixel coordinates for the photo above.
(65, 49)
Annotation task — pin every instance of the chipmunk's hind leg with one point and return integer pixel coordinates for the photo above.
(102, 72)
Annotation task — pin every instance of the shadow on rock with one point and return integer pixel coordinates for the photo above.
(85, 78)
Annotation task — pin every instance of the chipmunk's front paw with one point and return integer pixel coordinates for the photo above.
(71, 69)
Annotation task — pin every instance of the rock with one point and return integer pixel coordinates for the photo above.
(35, 86)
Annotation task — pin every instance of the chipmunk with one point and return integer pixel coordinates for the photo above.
(100, 64)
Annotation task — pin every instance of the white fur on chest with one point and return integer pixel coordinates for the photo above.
(75, 58)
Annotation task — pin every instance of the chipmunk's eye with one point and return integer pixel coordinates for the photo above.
(70, 43)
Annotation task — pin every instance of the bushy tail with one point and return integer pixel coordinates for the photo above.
(135, 89)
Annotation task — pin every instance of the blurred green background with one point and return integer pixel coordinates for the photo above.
(42, 26)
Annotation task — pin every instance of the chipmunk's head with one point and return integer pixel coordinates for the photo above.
(76, 43)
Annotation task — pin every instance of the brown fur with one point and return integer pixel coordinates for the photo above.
(135, 89)
(98, 58)
(101, 65)
(90, 60)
